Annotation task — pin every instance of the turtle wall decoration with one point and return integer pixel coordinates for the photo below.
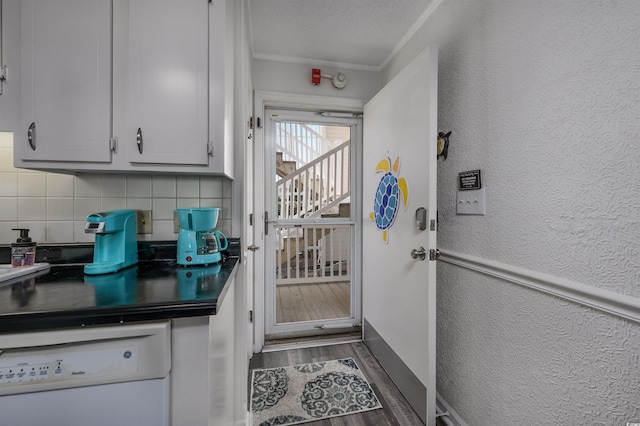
(387, 199)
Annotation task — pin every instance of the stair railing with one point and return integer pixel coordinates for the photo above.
(300, 143)
(316, 187)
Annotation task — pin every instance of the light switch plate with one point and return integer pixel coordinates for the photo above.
(471, 202)
(145, 222)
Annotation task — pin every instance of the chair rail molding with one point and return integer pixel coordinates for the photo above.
(621, 305)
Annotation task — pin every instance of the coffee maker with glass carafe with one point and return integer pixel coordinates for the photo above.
(199, 243)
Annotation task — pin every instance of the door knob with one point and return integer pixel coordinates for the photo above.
(253, 247)
(419, 253)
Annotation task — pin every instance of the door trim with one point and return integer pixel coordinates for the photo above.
(263, 100)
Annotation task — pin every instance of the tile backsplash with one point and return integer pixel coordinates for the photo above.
(55, 206)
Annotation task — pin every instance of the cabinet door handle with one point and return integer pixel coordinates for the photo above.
(139, 140)
(31, 135)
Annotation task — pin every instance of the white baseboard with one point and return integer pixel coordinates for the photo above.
(452, 418)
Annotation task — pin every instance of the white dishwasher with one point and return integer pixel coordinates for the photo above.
(111, 376)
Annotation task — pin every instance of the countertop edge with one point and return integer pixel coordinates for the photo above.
(36, 321)
(225, 288)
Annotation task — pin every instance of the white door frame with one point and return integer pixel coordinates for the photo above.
(263, 100)
(355, 311)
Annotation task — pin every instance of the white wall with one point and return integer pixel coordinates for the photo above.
(55, 206)
(286, 77)
(544, 98)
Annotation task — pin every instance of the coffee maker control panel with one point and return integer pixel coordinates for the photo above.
(94, 228)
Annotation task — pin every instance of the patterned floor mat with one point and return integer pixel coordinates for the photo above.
(308, 392)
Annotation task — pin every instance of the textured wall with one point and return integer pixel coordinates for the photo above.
(507, 355)
(544, 97)
(551, 112)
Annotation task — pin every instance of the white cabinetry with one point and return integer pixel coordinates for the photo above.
(65, 81)
(168, 82)
(9, 64)
(203, 365)
(127, 86)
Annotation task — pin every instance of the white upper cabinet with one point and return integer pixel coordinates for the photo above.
(9, 65)
(168, 82)
(65, 81)
(126, 85)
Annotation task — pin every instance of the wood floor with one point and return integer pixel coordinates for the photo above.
(314, 301)
(396, 410)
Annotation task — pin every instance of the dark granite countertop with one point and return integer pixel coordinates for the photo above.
(156, 288)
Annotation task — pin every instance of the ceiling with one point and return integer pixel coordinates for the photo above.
(359, 34)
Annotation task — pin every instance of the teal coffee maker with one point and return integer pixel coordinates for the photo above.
(116, 244)
(198, 242)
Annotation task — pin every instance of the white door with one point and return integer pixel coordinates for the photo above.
(399, 177)
(312, 286)
(264, 229)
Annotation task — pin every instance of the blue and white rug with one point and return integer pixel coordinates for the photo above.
(308, 392)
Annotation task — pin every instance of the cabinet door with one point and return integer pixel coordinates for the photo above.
(169, 92)
(9, 65)
(65, 81)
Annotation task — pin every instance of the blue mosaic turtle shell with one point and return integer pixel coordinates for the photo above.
(385, 205)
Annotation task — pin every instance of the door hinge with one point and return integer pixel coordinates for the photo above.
(266, 223)
(250, 316)
(434, 254)
(210, 148)
(250, 123)
(113, 145)
(3, 76)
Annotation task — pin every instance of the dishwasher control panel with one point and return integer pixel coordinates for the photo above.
(65, 359)
(78, 364)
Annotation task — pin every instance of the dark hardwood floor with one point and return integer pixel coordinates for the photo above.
(395, 408)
